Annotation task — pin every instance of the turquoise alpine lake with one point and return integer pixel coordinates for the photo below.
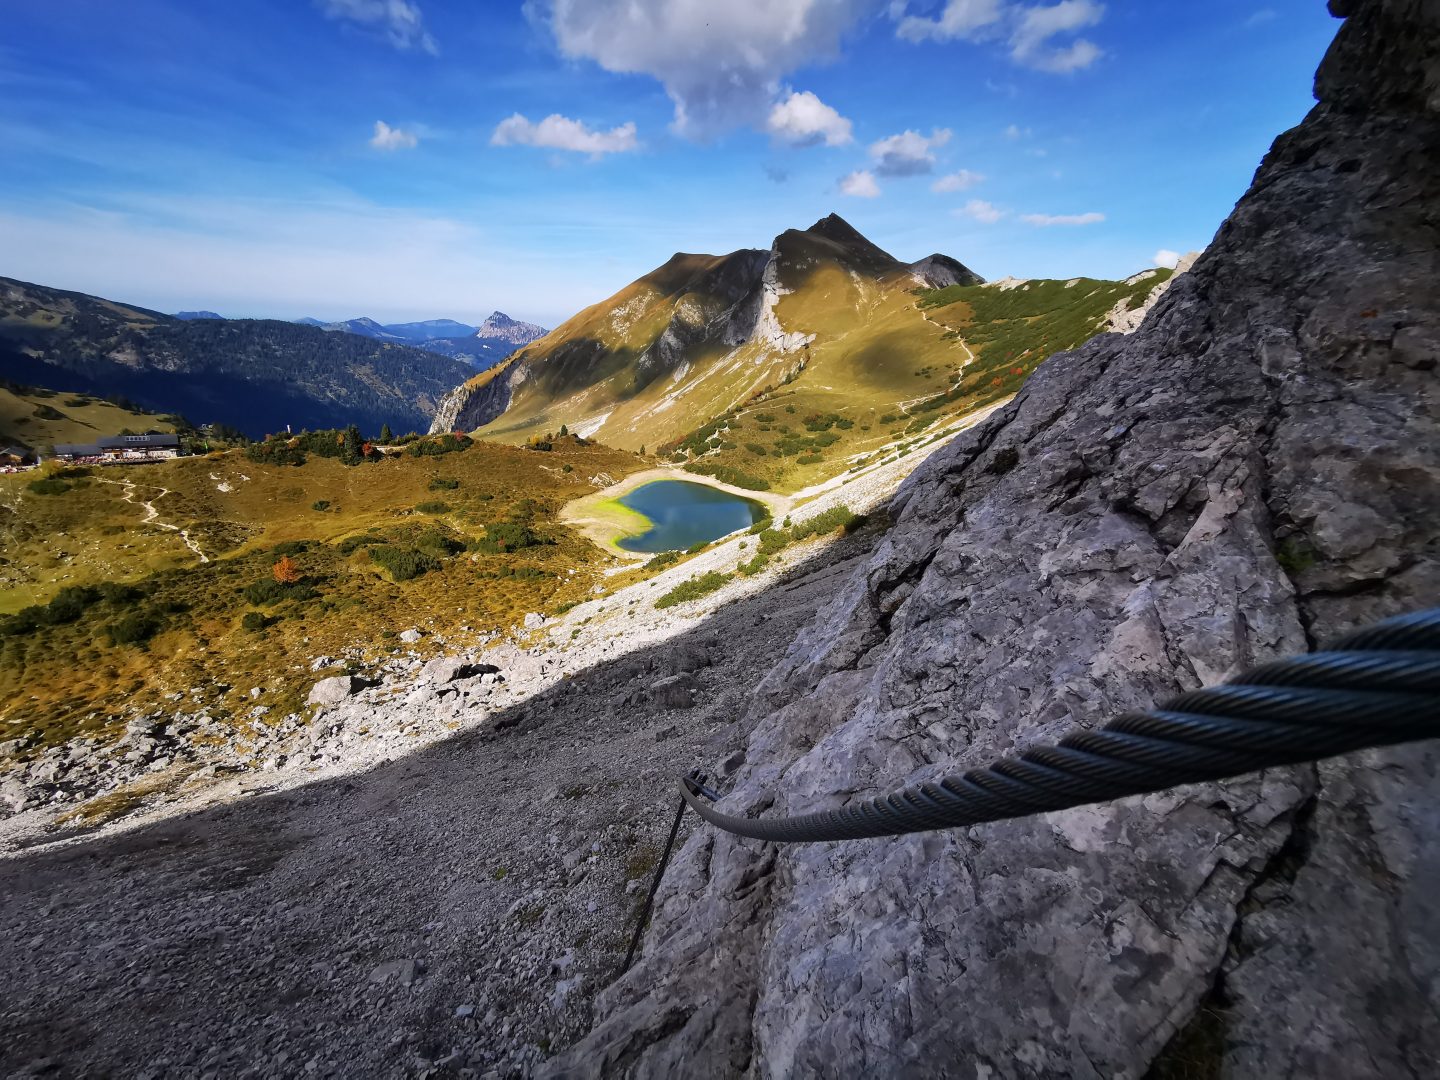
(683, 514)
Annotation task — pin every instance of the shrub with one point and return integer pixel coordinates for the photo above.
(286, 572)
(320, 504)
(48, 486)
(350, 543)
(809, 459)
(403, 563)
(443, 483)
(727, 474)
(255, 621)
(506, 536)
(756, 449)
(433, 506)
(136, 628)
(662, 560)
(693, 589)
(439, 543)
(755, 565)
(290, 547)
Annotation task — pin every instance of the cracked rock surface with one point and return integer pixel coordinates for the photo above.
(1255, 470)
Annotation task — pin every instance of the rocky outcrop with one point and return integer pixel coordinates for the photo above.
(1254, 470)
(475, 403)
(1124, 319)
(499, 327)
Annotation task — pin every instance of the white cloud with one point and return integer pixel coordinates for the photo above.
(1014, 132)
(721, 63)
(1264, 15)
(1030, 42)
(1027, 30)
(963, 19)
(982, 211)
(558, 132)
(388, 138)
(1091, 218)
(1167, 258)
(398, 21)
(956, 181)
(860, 184)
(909, 153)
(802, 119)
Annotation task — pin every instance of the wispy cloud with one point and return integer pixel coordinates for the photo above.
(860, 185)
(1030, 44)
(962, 19)
(1045, 220)
(909, 153)
(397, 21)
(956, 181)
(389, 138)
(1264, 15)
(558, 132)
(802, 119)
(982, 211)
(1028, 31)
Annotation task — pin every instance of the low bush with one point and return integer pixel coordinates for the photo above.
(433, 506)
(693, 589)
(443, 483)
(256, 621)
(136, 628)
(728, 474)
(506, 536)
(321, 505)
(48, 486)
(662, 560)
(403, 563)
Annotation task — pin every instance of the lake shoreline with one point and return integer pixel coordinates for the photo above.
(605, 521)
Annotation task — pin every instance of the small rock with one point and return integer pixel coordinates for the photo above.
(411, 636)
(404, 971)
(534, 620)
(463, 1011)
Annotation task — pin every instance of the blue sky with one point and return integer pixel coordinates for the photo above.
(426, 158)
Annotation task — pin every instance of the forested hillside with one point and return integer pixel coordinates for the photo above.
(256, 375)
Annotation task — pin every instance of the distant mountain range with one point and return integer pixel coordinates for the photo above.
(786, 364)
(479, 346)
(256, 375)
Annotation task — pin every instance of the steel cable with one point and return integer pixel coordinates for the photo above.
(1375, 687)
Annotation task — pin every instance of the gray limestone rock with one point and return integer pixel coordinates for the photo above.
(334, 690)
(674, 691)
(1253, 471)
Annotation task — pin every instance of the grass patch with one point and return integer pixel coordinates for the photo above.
(693, 589)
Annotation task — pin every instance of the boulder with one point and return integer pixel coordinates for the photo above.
(334, 690)
(448, 669)
(534, 620)
(674, 691)
(411, 636)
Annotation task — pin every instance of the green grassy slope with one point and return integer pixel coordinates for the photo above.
(481, 524)
(39, 418)
(857, 358)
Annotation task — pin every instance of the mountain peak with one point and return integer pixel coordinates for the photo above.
(834, 227)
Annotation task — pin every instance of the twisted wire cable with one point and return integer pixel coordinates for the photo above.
(1375, 687)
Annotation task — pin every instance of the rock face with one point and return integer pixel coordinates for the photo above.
(1254, 470)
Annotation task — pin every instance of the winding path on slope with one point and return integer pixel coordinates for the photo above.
(153, 516)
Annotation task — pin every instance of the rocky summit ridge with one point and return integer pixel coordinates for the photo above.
(691, 338)
(1254, 471)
